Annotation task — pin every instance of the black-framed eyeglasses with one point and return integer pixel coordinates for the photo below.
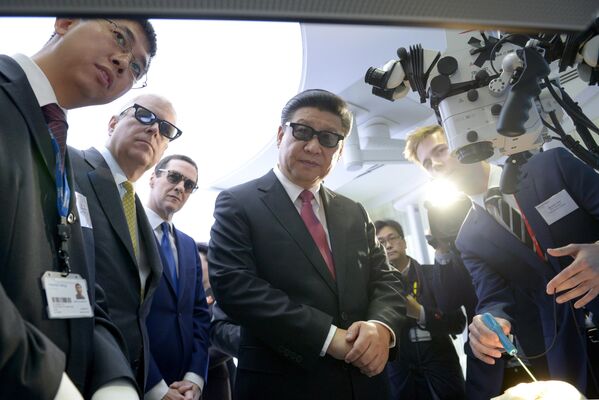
(175, 177)
(122, 39)
(147, 117)
(306, 133)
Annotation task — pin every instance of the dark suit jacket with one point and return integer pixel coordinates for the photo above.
(453, 288)
(178, 325)
(268, 275)
(428, 366)
(499, 262)
(117, 269)
(36, 350)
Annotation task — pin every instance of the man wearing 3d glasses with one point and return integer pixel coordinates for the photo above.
(179, 320)
(127, 261)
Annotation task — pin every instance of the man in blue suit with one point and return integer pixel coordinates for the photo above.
(179, 321)
(556, 204)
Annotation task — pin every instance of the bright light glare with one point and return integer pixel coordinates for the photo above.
(441, 193)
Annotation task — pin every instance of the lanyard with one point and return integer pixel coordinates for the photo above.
(537, 246)
(63, 197)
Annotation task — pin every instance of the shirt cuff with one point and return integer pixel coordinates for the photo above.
(327, 342)
(157, 392)
(392, 344)
(195, 378)
(120, 389)
(442, 258)
(422, 317)
(67, 390)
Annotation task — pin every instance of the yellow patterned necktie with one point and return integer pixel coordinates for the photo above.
(130, 214)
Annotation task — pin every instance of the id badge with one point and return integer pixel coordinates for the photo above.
(67, 296)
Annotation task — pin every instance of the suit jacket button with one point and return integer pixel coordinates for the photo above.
(344, 316)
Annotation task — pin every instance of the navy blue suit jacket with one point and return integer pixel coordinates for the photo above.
(179, 325)
(499, 263)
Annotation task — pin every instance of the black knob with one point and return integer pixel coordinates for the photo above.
(447, 66)
(472, 136)
(496, 109)
(440, 86)
(472, 95)
(482, 76)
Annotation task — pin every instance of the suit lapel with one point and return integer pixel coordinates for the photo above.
(183, 255)
(278, 202)
(19, 90)
(102, 181)
(528, 197)
(152, 255)
(336, 217)
(491, 232)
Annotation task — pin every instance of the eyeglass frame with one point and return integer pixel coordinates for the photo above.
(391, 239)
(170, 172)
(128, 48)
(316, 133)
(136, 107)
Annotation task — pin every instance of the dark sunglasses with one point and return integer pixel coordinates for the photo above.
(147, 117)
(306, 133)
(175, 177)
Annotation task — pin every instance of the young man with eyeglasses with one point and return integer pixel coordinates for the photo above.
(179, 320)
(427, 366)
(127, 260)
(299, 268)
(49, 351)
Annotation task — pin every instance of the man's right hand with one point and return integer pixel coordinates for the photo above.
(484, 342)
(339, 346)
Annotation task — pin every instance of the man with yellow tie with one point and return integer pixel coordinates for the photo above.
(127, 261)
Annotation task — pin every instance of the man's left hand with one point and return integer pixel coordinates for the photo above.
(188, 389)
(581, 277)
(370, 349)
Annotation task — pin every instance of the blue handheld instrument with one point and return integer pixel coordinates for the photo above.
(507, 344)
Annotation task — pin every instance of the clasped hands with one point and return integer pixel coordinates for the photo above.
(364, 345)
(183, 390)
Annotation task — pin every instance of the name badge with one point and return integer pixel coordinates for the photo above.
(67, 296)
(556, 207)
(83, 210)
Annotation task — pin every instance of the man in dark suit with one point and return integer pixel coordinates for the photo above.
(224, 343)
(128, 263)
(428, 366)
(43, 357)
(179, 321)
(299, 268)
(504, 262)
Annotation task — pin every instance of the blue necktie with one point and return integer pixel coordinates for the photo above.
(167, 252)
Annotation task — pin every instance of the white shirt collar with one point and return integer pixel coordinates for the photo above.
(44, 93)
(117, 173)
(155, 219)
(494, 181)
(293, 190)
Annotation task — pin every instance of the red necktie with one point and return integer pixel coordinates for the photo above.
(57, 122)
(316, 229)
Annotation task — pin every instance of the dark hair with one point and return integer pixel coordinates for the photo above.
(150, 33)
(164, 162)
(202, 247)
(382, 223)
(321, 99)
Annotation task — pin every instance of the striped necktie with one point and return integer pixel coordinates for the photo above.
(57, 123)
(508, 216)
(130, 213)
